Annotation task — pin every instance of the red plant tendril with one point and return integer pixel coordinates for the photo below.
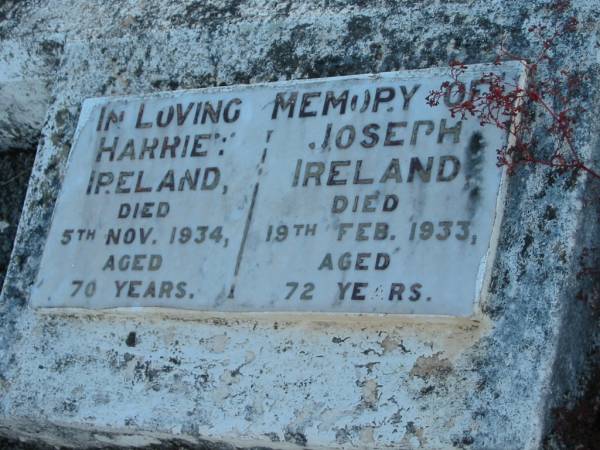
(508, 106)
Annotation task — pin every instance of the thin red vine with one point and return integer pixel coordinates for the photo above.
(508, 106)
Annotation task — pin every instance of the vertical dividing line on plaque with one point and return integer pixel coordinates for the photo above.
(240, 255)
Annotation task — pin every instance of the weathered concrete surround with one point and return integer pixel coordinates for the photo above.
(137, 378)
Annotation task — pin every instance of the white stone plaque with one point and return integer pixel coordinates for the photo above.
(339, 195)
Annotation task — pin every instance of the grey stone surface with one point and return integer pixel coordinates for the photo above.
(15, 167)
(26, 75)
(491, 385)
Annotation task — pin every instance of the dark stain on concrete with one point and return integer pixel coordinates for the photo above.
(295, 437)
(131, 339)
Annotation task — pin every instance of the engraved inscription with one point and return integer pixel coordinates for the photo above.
(345, 195)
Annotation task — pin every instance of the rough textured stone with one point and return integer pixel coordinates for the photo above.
(26, 68)
(277, 382)
(15, 167)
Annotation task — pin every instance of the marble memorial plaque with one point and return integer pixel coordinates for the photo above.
(339, 195)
